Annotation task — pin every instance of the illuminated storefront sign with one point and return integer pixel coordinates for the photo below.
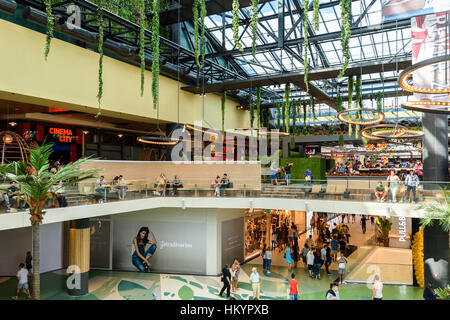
(63, 135)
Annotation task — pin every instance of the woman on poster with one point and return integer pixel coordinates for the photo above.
(141, 257)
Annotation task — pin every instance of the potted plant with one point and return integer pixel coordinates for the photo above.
(382, 230)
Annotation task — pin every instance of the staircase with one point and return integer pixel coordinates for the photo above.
(282, 192)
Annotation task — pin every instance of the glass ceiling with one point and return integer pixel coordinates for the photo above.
(388, 42)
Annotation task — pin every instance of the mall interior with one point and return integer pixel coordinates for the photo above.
(230, 133)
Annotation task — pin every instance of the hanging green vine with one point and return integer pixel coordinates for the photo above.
(252, 114)
(379, 104)
(235, 23)
(50, 26)
(305, 43)
(316, 15)
(100, 60)
(304, 114)
(283, 114)
(345, 34)
(313, 107)
(294, 116)
(287, 93)
(254, 25)
(258, 105)
(142, 42)
(224, 100)
(358, 103)
(199, 5)
(339, 103)
(278, 116)
(350, 92)
(155, 53)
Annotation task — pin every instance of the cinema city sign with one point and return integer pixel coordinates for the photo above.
(64, 135)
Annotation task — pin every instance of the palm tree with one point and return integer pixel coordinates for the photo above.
(38, 185)
(384, 227)
(437, 211)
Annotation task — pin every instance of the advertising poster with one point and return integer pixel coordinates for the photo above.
(402, 9)
(232, 240)
(181, 247)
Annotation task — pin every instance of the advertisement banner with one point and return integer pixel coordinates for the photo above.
(402, 9)
(181, 247)
(232, 240)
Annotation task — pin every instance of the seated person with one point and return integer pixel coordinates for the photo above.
(175, 185)
(122, 187)
(161, 185)
(12, 196)
(224, 182)
(380, 192)
(102, 191)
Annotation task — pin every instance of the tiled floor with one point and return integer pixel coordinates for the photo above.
(114, 285)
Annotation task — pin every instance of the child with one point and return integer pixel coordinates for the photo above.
(22, 276)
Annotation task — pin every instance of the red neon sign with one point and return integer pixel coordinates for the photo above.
(64, 135)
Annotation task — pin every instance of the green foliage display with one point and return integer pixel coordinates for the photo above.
(350, 93)
(316, 15)
(155, 53)
(316, 165)
(437, 212)
(142, 42)
(313, 107)
(305, 6)
(224, 100)
(304, 114)
(341, 140)
(100, 60)
(294, 116)
(50, 26)
(287, 93)
(258, 105)
(254, 25)
(345, 34)
(235, 23)
(199, 5)
(283, 115)
(379, 104)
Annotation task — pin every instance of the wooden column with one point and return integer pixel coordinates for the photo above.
(79, 255)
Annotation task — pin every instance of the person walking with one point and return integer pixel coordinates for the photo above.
(268, 255)
(342, 267)
(310, 262)
(323, 255)
(317, 263)
(333, 293)
(363, 224)
(226, 279)
(293, 288)
(411, 183)
(254, 280)
(377, 292)
(288, 257)
(295, 255)
(287, 171)
(305, 251)
(334, 248)
(273, 173)
(22, 276)
(327, 257)
(263, 255)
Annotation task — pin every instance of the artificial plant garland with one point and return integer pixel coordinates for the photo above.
(287, 92)
(294, 116)
(313, 107)
(252, 114)
(345, 34)
(235, 23)
(379, 104)
(142, 42)
(199, 5)
(305, 43)
(254, 25)
(350, 102)
(283, 114)
(304, 114)
(224, 100)
(316, 15)
(258, 105)
(278, 116)
(341, 140)
(155, 52)
(339, 102)
(100, 60)
(50, 26)
(358, 103)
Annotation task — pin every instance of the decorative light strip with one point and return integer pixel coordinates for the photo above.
(404, 75)
(341, 116)
(439, 107)
(279, 133)
(201, 130)
(395, 132)
(157, 140)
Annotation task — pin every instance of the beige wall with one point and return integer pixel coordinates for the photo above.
(69, 79)
(190, 172)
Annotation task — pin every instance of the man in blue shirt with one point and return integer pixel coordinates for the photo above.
(254, 280)
(334, 248)
(411, 183)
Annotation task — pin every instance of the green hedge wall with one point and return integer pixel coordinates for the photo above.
(316, 165)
